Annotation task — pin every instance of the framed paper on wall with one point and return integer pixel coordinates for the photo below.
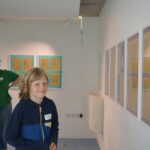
(146, 76)
(107, 72)
(0, 61)
(120, 73)
(112, 72)
(21, 63)
(52, 65)
(132, 73)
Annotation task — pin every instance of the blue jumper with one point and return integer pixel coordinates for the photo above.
(33, 126)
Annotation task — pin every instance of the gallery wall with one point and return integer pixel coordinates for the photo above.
(79, 63)
(119, 20)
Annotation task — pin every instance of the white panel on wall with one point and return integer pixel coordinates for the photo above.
(96, 113)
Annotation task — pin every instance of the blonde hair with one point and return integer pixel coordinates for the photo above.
(30, 76)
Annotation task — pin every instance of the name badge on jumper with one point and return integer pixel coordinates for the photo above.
(48, 116)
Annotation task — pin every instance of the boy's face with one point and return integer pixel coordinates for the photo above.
(38, 89)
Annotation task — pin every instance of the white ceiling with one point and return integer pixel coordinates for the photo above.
(39, 9)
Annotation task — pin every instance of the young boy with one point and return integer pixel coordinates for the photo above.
(34, 121)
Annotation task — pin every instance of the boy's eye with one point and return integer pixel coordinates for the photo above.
(37, 84)
(45, 84)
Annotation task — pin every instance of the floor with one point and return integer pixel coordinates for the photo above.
(78, 144)
(75, 144)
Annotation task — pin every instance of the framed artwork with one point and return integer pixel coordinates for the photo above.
(0, 61)
(146, 76)
(112, 72)
(52, 65)
(21, 63)
(132, 73)
(120, 73)
(107, 72)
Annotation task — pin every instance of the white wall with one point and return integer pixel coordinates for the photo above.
(80, 63)
(120, 19)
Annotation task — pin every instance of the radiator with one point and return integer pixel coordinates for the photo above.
(96, 113)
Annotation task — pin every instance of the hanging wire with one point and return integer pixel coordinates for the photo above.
(81, 28)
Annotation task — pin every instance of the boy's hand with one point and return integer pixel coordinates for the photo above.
(52, 146)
